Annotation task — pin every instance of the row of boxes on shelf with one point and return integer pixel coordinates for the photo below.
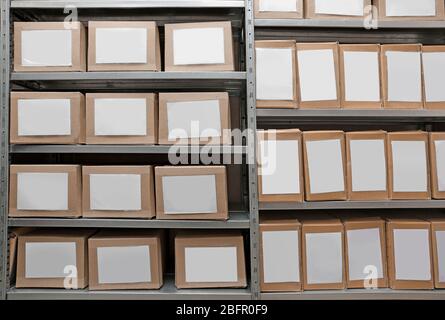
(350, 9)
(120, 118)
(367, 76)
(125, 259)
(322, 253)
(122, 46)
(367, 165)
(144, 192)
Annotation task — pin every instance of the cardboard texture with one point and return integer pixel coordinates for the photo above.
(209, 260)
(438, 242)
(33, 121)
(202, 46)
(406, 10)
(433, 64)
(272, 9)
(408, 167)
(120, 42)
(191, 192)
(118, 192)
(191, 118)
(13, 243)
(437, 164)
(335, 9)
(43, 50)
(366, 158)
(42, 258)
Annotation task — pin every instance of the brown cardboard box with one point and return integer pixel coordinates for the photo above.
(114, 194)
(116, 124)
(152, 55)
(284, 265)
(44, 258)
(403, 193)
(310, 13)
(193, 116)
(210, 260)
(173, 63)
(313, 193)
(179, 189)
(140, 245)
(263, 14)
(13, 243)
(20, 121)
(47, 191)
(360, 230)
(433, 81)
(78, 47)
(269, 155)
(437, 232)
(410, 249)
(368, 153)
(381, 7)
(436, 145)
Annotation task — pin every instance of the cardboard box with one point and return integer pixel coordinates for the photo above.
(202, 46)
(50, 258)
(365, 253)
(47, 118)
(336, 9)
(13, 244)
(367, 165)
(125, 260)
(121, 118)
(409, 254)
(194, 118)
(402, 76)
(210, 260)
(438, 242)
(360, 76)
(323, 250)
(123, 46)
(433, 66)
(437, 164)
(49, 46)
(324, 165)
(191, 192)
(118, 192)
(280, 254)
(276, 74)
(272, 9)
(410, 10)
(280, 166)
(45, 191)
(408, 167)
(323, 90)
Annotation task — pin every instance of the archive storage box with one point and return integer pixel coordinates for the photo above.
(280, 170)
(194, 118)
(47, 118)
(53, 258)
(410, 9)
(438, 242)
(121, 118)
(118, 192)
(433, 65)
(191, 192)
(284, 9)
(45, 191)
(125, 260)
(437, 164)
(209, 260)
(123, 46)
(49, 46)
(13, 239)
(202, 46)
(336, 9)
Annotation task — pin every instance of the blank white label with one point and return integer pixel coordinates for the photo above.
(324, 258)
(44, 117)
(440, 241)
(368, 165)
(281, 256)
(120, 117)
(189, 194)
(193, 119)
(409, 166)
(280, 166)
(211, 264)
(440, 163)
(129, 264)
(42, 191)
(364, 249)
(362, 76)
(404, 76)
(121, 45)
(49, 259)
(325, 164)
(412, 254)
(278, 5)
(115, 192)
(198, 46)
(316, 69)
(340, 7)
(434, 76)
(46, 48)
(410, 8)
(274, 74)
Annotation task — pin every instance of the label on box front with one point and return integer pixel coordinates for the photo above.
(340, 7)
(410, 8)
(440, 240)
(278, 5)
(440, 164)
(434, 76)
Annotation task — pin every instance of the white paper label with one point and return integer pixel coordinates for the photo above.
(340, 7)
(278, 5)
(410, 8)
(434, 76)
(440, 240)
(440, 163)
